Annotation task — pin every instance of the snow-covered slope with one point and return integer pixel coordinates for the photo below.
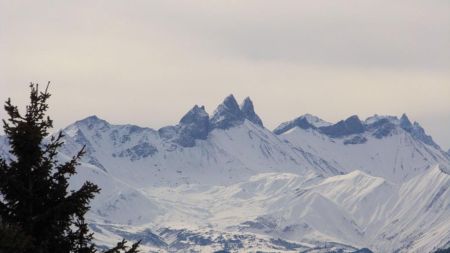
(225, 182)
(419, 220)
(388, 147)
(229, 147)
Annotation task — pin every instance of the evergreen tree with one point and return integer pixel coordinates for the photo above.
(38, 213)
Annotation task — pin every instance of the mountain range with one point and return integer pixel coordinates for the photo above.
(225, 183)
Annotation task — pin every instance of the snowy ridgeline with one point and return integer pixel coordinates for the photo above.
(227, 183)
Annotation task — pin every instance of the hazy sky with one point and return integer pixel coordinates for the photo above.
(148, 62)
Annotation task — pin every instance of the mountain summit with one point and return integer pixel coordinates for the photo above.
(227, 114)
(249, 112)
(380, 126)
(350, 126)
(193, 126)
(305, 122)
(227, 182)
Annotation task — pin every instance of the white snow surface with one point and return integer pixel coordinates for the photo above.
(246, 189)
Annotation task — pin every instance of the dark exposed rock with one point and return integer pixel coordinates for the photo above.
(416, 131)
(167, 132)
(139, 151)
(193, 126)
(382, 128)
(419, 133)
(227, 115)
(355, 140)
(363, 250)
(248, 110)
(349, 126)
(405, 123)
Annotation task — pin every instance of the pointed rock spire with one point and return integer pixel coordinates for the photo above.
(354, 124)
(248, 110)
(405, 123)
(227, 114)
(230, 103)
(197, 113)
(416, 131)
(419, 133)
(193, 125)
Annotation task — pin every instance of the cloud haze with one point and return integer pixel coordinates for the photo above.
(148, 62)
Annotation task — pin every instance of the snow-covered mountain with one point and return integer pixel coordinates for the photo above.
(225, 182)
(384, 146)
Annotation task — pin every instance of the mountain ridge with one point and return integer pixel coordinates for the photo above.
(226, 182)
(229, 113)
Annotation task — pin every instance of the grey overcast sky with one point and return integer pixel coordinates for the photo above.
(148, 62)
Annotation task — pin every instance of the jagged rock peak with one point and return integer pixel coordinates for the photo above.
(379, 126)
(354, 121)
(351, 125)
(193, 126)
(405, 123)
(231, 103)
(227, 114)
(377, 118)
(195, 114)
(248, 110)
(417, 131)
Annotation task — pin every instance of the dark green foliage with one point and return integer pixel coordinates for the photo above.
(12, 239)
(38, 213)
(121, 246)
